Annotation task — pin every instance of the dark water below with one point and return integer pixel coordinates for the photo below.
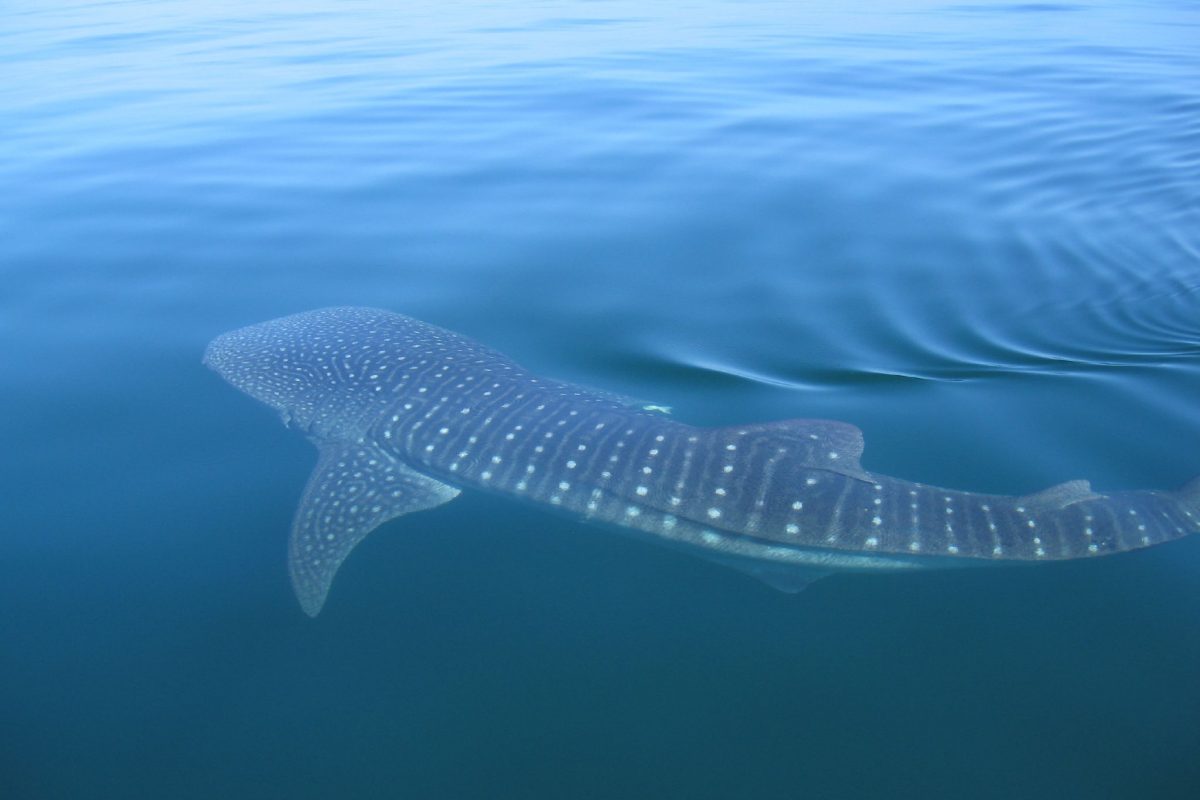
(972, 229)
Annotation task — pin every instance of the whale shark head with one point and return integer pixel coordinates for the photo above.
(322, 370)
(298, 365)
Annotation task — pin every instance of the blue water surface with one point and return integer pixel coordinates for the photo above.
(971, 229)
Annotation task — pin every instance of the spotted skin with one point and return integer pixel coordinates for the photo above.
(405, 414)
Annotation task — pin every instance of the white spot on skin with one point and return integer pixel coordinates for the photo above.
(811, 481)
(952, 549)
(632, 511)
(797, 505)
(714, 513)
(719, 492)
(564, 485)
(876, 521)
(641, 491)
(871, 542)
(792, 528)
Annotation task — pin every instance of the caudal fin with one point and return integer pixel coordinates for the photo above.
(1188, 498)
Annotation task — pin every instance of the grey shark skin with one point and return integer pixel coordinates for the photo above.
(405, 414)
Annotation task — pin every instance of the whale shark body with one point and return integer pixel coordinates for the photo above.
(405, 415)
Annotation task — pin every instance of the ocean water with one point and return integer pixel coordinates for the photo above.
(970, 228)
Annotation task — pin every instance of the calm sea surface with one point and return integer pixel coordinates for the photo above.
(971, 229)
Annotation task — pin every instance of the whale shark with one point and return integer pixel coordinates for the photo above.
(405, 415)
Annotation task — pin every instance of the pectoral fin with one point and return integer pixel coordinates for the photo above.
(353, 490)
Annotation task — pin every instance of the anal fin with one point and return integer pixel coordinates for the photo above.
(789, 578)
(354, 489)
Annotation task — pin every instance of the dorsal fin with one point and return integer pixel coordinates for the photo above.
(1060, 496)
(820, 443)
